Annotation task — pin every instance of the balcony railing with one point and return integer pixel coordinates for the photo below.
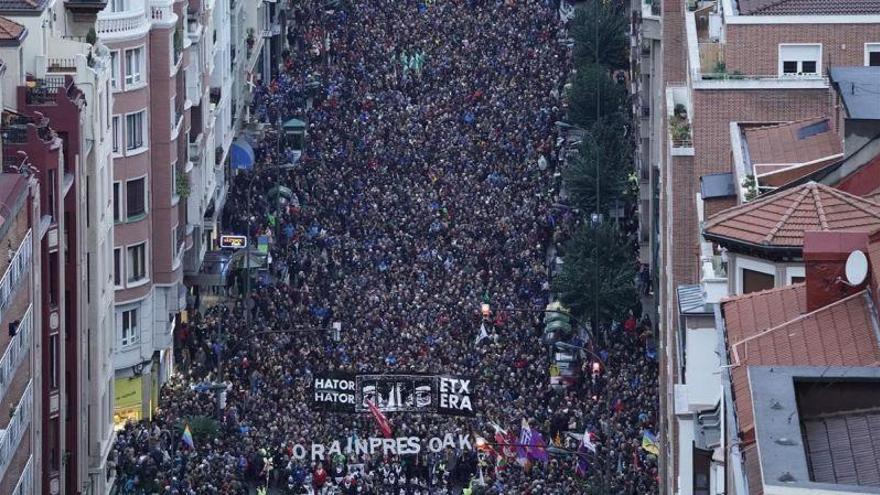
(16, 351)
(18, 424)
(25, 485)
(161, 12)
(60, 65)
(15, 272)
(124, 21)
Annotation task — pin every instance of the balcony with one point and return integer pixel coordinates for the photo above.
(16, 351)
(85, 7)
(25, 483)
(15, 272)
(162, 11)
(18, 424)
(121, 22)
(56, 65)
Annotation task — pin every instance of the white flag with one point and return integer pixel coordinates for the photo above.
(484, 334)
(588, 442)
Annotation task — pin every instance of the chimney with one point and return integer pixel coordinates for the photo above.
(825, 255)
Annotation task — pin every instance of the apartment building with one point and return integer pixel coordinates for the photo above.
(20, 316)
(179, 77)
(57, 123)
(745, 106)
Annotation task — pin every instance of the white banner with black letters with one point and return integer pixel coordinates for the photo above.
(417, 393)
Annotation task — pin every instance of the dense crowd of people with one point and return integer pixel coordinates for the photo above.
(427, 186)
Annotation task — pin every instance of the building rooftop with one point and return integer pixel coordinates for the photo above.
(22, 5)
(774, 328)
(808, 7)
(815, 429)
(781, 153)
(10, 30)
(858, 87)
(691, 300)
(780, 220)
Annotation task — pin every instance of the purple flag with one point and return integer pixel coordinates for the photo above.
(583, 464)
(538, 449)
(532, 446)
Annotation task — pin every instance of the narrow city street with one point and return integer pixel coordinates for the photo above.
(393, 325)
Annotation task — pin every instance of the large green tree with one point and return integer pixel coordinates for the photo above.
(593, 88)
(600, 30)
(606, 151)
(597, 262)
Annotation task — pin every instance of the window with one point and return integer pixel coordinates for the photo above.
(173, 113)
(134, 60)
(800, 60)
(872, 54)
(173, 243)
(134, 129)
(135, 198)
(754, 281)
(117, 267)
(117, 201)
(53, 361)
(174, 192)
(117, 134)
(117, 6)
(114, 69)
(129, 329)
(137, 262)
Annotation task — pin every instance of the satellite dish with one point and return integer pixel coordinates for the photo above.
(856, 267)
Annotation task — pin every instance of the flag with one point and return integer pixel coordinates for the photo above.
(483, 334)
(587, 441)
(188, 437)
(583, 464)
(484, 446)
(649, 443)
(531, 445)
(381, 420)
(505, 440)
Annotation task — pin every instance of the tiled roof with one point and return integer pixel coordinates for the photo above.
(14, 5)
(9, 29)
(809, 7)
(771, 328)
(780, 220)
(792, 143)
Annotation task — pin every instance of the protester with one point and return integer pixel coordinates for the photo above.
(427, 185)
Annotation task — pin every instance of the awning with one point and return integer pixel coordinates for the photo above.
(294, 125)
(242, 155)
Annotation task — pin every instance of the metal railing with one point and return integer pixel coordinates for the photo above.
(25, 485)
(127, 21)
(16, 351)
(58, 64)
(15, 272)
(18, 424)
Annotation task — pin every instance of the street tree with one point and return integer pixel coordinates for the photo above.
(607, 151)
(598, 271)
(605, 22)
(593, 87)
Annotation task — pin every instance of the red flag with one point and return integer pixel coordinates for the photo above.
(380, 418)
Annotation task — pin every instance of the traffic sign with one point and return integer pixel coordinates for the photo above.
(233, 241)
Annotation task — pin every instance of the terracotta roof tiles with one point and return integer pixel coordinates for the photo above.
(10, 30)
(772, 328)
(780, 220)
(809, 7)
(776, 147)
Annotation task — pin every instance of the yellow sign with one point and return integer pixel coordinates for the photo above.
(128, 400)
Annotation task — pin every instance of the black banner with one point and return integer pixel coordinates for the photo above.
(418, 393)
